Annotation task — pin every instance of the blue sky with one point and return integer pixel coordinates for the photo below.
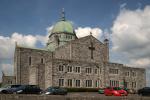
(127, 22)
(33, 16)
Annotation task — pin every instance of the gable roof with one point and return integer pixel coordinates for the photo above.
(80, 39)
(18, 46)
(86, 37)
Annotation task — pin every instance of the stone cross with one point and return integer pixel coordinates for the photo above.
(92, 48)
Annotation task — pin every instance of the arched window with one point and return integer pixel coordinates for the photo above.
(42, 60)
(29, 60)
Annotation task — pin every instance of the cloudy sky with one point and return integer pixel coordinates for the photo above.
(125, 22)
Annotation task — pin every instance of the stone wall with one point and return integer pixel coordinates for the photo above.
(7, 80)
(37, 75)
(109, 76)
(139, 76)
(48, 73)
(82, 76)
(22, 64)
(33, 75)
(78, 50)
(41, 76)
(63, 52)
(17, 62)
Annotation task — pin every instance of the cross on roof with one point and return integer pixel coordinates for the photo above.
(63, 14)
(92, 48)
(90, 33)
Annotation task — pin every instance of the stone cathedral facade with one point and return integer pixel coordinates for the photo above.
(69, 61)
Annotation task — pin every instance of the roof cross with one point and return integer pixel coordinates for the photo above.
(90, 33)
(63, 14)
(92, 48)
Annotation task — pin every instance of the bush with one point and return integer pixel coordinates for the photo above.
(82, 89)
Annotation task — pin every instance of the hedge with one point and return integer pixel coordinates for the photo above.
(82, 89)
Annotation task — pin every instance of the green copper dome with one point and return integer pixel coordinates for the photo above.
(63, 26)
(61, 33)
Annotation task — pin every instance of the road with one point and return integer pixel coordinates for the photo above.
(90, 94)
(71, 96)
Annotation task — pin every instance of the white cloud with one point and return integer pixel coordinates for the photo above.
(5, 47)
(96, 32)
(25, 40)
(44, 39)
(7, 69)
(49, 29)
(130, 35)
(7, 44)
(142, 62)
(80, 32)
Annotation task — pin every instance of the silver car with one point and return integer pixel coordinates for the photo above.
(7, 87)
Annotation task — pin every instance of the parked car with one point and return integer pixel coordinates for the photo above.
(24, 89)
(7, 87)
(101, 91)
(115, 91)
(131, 91)
(55, 91)
(126, 89)
(144, 91)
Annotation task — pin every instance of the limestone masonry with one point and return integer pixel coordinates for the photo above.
(69, 61)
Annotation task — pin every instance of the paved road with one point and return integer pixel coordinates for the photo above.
(71, 96)
(97, 96)
(91, 94)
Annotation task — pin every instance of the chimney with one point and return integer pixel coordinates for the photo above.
(106, 50)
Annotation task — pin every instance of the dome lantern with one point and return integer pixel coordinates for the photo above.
(64, 30)
(63, 15)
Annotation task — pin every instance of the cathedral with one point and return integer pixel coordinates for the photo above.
(69, 61)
